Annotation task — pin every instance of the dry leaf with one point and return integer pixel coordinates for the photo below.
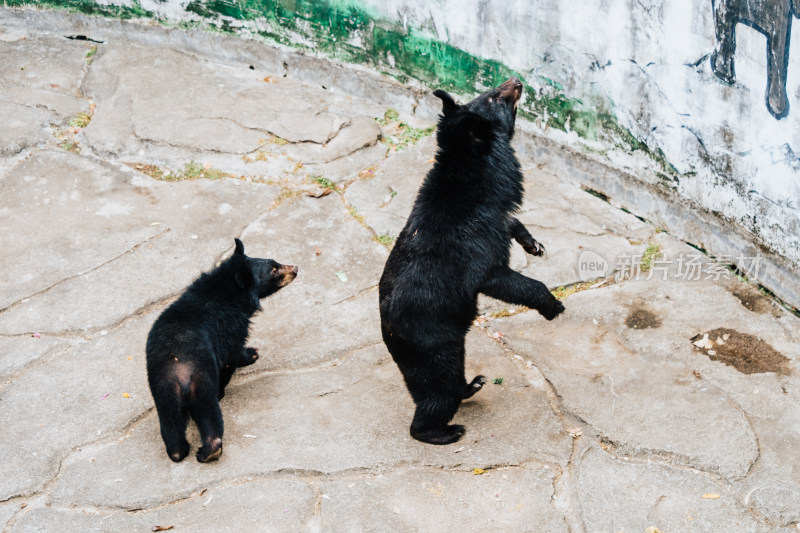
(161, 528)
(478, 471)
(317, 250)
(126, 395)
(711, 496)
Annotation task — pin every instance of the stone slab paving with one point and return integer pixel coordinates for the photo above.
(655, 403)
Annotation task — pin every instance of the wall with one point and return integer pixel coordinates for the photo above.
(685, 97)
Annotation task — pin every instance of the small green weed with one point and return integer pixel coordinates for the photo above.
(652, 252)
(358, 216)
(399, 134)
(324, 182)
(81, 120)
(561, 293)
(70, 146)
(386, 239)
(90, 55)
(191, 171)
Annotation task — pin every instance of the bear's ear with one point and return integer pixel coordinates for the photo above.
(475, 126)
(448, 104)
(244, 277)
(239, 247)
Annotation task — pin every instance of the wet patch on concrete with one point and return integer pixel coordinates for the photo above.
(746, 353)
(642, 318)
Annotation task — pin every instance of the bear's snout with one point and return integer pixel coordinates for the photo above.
(287, 273)
(511, 90)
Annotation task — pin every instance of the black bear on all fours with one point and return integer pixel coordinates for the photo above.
(199, 341)
(456, 244)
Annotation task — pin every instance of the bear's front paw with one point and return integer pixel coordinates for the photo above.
(477, 384)
(552, 310)
(249, 357)
(533, 247)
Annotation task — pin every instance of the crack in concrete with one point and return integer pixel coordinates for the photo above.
(738, 408)
(43, 359)
(356, 295)
(564, 497)
(78, 275)
(626, 454)
(16, 160)
(249, 128)
(46, 488)
(98, 53)
(248, 377)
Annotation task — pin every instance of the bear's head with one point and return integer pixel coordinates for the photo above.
(261, 277)
(490, 115)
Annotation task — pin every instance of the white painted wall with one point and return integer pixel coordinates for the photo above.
(638, 56)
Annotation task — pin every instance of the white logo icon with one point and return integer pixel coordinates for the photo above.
(591, 265)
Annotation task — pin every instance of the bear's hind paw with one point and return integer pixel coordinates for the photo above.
(448, 435)
(210, 452)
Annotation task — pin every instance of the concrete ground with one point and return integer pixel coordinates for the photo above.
(664, 399)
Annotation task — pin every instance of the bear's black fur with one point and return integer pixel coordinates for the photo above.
(197, 343)
(456, 244)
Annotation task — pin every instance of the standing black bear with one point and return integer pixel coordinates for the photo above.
(197, 343)
(455, 245)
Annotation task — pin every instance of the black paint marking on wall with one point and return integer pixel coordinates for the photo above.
(773, 18)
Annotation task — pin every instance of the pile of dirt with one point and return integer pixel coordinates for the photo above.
(641, 318)
(752, 299)
(744, 352)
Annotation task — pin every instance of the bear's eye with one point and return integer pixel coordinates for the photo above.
(273, 271)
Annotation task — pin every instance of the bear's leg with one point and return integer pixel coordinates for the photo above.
(225, 375)
(246, 357)
(173, 418)
(437, 386)
(208, 416)
(514, 288)
(521, 234)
